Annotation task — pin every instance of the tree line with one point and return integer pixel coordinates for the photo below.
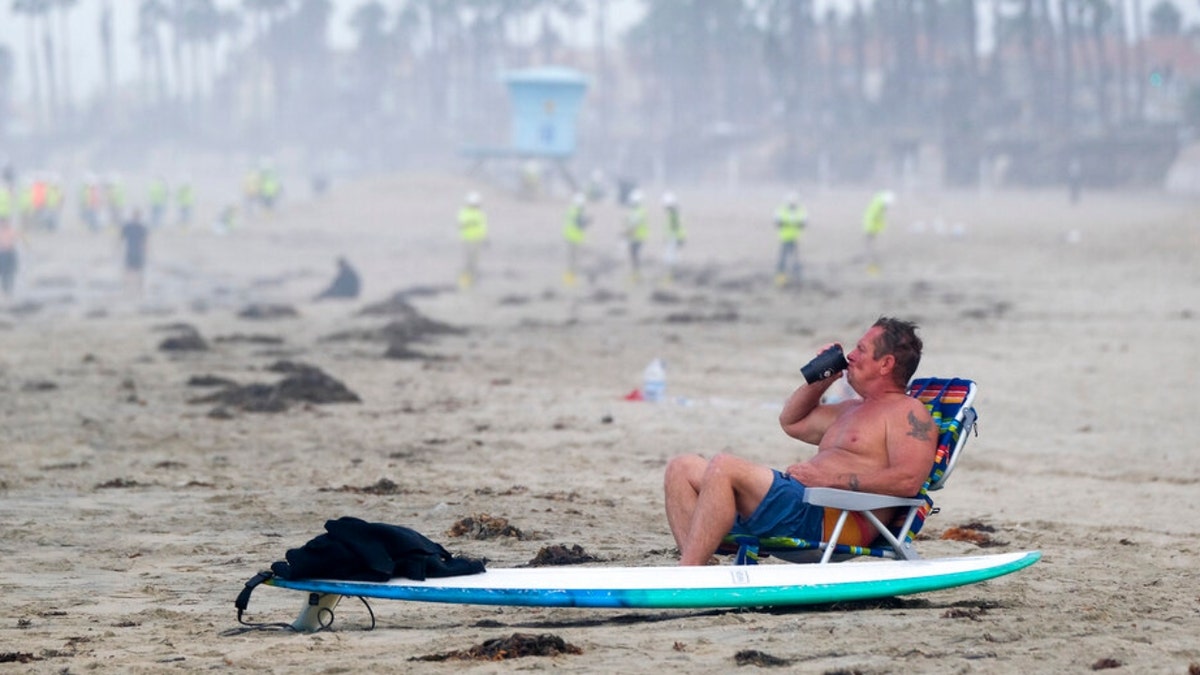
(793, 89)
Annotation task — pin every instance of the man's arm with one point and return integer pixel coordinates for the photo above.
(803, 417)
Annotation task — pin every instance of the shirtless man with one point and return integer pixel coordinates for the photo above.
(882, 444)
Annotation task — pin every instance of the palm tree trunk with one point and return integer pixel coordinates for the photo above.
(51, 66)
(65, 42)
(1067, 102)
(1122, 63)
(106, 50)
(1139, 63)
(35, 73)
(1103, 69)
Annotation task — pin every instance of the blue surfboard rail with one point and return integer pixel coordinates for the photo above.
(447, 590)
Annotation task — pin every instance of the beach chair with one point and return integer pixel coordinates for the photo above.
(950, 402)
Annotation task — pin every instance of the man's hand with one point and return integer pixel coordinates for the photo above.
(811, 476)
(807, 474)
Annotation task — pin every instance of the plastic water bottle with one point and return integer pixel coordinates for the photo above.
(654, 381)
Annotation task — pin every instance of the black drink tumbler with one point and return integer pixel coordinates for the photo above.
(825, 365)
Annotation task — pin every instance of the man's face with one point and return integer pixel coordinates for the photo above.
(861, 359)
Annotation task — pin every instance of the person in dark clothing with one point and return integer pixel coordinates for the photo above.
(8, 255)
(345, 285)
(134, 234)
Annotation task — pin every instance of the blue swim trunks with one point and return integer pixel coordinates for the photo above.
(783, 513)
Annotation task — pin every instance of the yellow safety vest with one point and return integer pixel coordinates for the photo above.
(873, 219)
(573, 230)
(791, 221)
(639, 229)
(472, 224)
(674, 224)
(158, 194)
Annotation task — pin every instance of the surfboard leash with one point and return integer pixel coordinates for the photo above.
(243, 602)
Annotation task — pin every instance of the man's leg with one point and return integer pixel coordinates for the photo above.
(728, 486)
(681, 487)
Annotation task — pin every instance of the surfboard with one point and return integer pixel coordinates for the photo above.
(723, 586)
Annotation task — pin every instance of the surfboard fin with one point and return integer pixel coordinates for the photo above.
(317, 613)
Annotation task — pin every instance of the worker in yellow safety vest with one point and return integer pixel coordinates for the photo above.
(6, 202)
(473, 231)
(185, 199)
(790, 221)
(637, 230)
(874, 222)
(573, 232)
(675, 235)
(158, 197)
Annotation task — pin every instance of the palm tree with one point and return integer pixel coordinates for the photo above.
(6, 81)
(106, 49)
(32, 9)
(150, 14)
(196, 25)
(64, 9)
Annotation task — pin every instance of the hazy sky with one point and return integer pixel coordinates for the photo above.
(86, 67)
(86, 73)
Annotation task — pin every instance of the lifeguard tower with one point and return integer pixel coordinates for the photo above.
(545, 105)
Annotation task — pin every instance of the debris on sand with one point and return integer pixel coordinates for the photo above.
(753, 657)
(210, 381)
(727, 315)
(561, 555)
(384, 486)
(974, 532)
(409, 326)
(398, 303)
(515, 646)
(250, 339)
(401, 352)
(39, 385)
(186, 339)
(483, 526)
(665, 298)
(118, 483)
(268, 311)
(972, 613)
(303, 384)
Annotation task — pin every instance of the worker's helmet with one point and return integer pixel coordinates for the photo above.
(473, 199)
(668, 199)
(578, 199)
(793, 198)
(888, 197)
(635, 197)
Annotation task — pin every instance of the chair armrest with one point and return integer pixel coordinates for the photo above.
(848, 500)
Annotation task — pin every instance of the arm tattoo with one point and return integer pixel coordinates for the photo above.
(919, 429)
(853, 482)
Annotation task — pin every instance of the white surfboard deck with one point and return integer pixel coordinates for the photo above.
(679, 587)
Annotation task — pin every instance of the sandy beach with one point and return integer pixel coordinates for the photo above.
(131, 514)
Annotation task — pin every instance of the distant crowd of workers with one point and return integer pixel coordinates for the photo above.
(790, 221)
(36, 202)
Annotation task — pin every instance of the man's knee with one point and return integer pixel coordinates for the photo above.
(684, 468)
(724, 464)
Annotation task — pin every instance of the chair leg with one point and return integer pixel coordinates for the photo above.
(833, 539)
(903, 551)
